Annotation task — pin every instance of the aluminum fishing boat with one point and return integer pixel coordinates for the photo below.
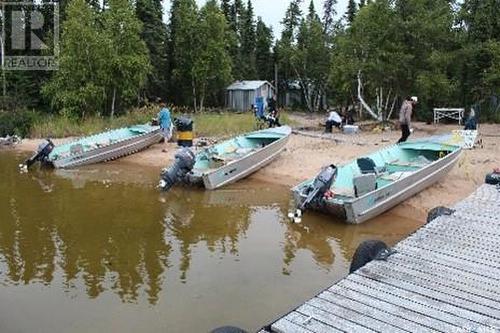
(97, 148)
(368, 186)
(234, 159)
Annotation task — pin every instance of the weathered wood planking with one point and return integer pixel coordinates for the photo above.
(443, 278)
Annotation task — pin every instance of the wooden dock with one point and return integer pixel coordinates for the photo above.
(443, 278)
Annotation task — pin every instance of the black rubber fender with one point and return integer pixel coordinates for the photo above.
(366, 252)
(492, 178)
(228, 329)
(438, 211)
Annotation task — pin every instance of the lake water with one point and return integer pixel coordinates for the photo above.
(101, 250)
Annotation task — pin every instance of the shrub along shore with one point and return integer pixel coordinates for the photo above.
(35, 125)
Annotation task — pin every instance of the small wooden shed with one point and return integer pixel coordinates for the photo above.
(242, 94)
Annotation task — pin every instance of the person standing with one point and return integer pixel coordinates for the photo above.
(165, 121)
(405, 117)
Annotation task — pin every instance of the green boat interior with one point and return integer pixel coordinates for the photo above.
(388, 165)
(89, 143)
(217, 155)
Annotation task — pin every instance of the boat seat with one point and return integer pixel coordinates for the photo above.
(396, 175)
(367, 165)
(343, 191)
(364, 183)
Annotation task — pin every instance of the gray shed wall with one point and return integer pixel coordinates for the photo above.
(242, 100)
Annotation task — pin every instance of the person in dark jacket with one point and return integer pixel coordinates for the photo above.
(405, 117)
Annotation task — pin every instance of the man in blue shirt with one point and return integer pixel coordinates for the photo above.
(165, 121)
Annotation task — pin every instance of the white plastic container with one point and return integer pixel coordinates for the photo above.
(350, 129)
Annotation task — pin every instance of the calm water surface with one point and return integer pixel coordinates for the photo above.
(100, 250)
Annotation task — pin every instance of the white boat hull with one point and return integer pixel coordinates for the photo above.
(110, 152)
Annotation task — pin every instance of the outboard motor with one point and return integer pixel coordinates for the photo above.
(320, 185)
(184, 163)
(493, 178)
(41, 155)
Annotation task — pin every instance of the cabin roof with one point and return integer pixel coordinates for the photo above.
(248, 85)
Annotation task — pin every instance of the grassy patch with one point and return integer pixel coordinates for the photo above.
(205, 124)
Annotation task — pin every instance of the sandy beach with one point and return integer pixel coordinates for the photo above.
(309, 149)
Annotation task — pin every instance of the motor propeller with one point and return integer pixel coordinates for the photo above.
(183, 164)
(316, 190)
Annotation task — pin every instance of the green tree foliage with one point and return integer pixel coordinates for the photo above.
(154, 34)
(310, 60)
(183, 48)
(479, 57)
(211, 71)
(247, 52)
(329, 13)
(283, 50)
(115, 52)
(226, 9)
(370, 45)
(103, 61)
(399, 47)
(127, 64)
(79, 86)
(351, 11)
(263, 53)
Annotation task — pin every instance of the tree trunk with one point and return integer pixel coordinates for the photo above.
(113, 104)
(392, 107)
(363, 103)
(305, 91)
(194, 96)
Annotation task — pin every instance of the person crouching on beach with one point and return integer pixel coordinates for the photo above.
(334, 119)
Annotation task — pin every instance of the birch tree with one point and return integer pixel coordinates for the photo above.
(212, 66)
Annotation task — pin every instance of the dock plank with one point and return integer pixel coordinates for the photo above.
(389, 313)
(449, 317)
(440, 296)
(332, 309)
(423, 267)
(447, 256)
(395, 273)
(445, 277)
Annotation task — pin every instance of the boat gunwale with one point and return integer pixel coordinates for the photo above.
(447, 161)
(212, 170)
(425, 167)
(282, 141)
(156, 129)
(204, 175)
(452, 157)
(75, 159)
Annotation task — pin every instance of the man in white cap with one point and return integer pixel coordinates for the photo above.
(405, 117)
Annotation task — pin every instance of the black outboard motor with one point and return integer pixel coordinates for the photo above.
(41, 155)
(320, 185)
(493, 178)
(184, 163)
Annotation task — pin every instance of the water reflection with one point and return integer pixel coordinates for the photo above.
(97, 227)
(107, 236)
(104, 235)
